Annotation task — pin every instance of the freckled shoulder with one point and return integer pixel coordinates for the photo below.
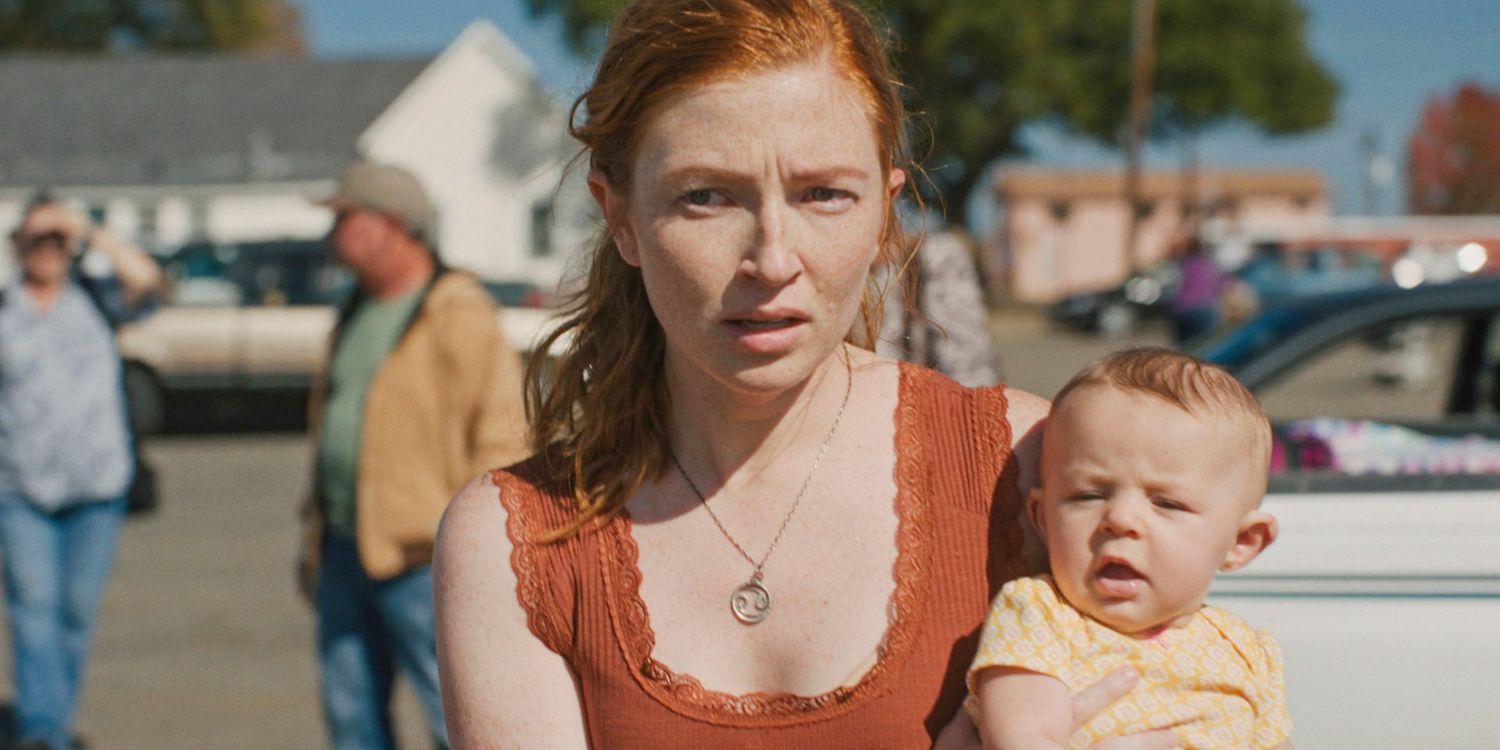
(1025, 412)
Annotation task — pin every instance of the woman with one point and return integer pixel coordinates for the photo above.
(739, 529)
(65, 459)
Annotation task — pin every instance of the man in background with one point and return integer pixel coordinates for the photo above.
(420, 394)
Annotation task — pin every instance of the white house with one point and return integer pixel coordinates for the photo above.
(173, 149)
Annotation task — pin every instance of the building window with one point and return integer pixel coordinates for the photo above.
(541, 229)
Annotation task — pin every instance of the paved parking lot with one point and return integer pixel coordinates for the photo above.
(203, 642)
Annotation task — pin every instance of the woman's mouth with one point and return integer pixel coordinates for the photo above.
(764, 325)
(766, 335)
(1118, 580)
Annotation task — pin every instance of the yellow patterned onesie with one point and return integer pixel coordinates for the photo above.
(1216, 683)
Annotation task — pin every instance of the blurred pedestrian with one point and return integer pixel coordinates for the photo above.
(946, 327)
(1195, 303)
(65, 453)
(420, 393)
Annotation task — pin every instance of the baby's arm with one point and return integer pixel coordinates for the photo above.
(1021, 710)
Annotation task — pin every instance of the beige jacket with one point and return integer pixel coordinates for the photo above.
(444, 407)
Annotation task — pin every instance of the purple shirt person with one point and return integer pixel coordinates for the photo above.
(1195, 303)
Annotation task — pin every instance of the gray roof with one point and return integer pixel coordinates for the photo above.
(187, 120)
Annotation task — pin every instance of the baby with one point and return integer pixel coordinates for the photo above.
(1153, 467)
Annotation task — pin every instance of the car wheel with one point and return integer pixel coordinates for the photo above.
(143, 396)
(1117, 320)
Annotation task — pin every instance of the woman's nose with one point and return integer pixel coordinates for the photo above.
(771, 258)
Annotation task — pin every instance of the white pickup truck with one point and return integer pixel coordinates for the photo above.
(1384, 588)
(256, 317)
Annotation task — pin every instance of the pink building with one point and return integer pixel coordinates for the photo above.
(1065, 231)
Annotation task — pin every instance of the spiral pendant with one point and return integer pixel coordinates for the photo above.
(751, 602)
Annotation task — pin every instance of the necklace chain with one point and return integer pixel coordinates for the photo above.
(817, 461)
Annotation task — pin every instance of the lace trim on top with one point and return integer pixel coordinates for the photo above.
(686, 695)
(519, 527)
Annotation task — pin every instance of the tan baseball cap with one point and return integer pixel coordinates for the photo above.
(385, 189)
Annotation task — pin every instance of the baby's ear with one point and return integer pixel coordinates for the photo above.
(1257, 531)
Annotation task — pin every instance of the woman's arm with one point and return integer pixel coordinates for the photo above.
(139, 275)
(501, 687)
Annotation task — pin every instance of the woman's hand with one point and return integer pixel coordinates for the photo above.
(961, 734)
(56, 217)
(1098, 696)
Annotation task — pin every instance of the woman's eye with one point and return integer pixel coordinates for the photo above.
(827, 195)
(702, 197)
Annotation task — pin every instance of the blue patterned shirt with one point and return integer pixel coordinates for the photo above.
(63, 437)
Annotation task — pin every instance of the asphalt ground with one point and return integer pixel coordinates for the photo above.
(203, 641)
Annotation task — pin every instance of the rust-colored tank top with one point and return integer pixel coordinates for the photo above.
(958, 541)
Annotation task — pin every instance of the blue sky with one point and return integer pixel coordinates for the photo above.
(1389, 56)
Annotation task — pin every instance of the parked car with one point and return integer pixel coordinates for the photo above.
(1384, 588)
(255, 318)
(1275, 275)
(1119, 310)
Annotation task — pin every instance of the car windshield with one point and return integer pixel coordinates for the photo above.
(278, 272)
(1238, 345)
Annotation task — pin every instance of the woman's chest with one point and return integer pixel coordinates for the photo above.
(63, 344)
(823, 595)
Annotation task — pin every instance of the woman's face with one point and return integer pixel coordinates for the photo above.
(44, 245)
(755, 210)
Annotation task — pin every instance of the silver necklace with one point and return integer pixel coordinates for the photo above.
(751, 601)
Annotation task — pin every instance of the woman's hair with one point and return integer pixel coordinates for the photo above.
(601, 421)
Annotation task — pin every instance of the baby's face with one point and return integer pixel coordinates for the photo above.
(1140, 504)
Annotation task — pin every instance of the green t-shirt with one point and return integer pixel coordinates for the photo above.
(368, 336)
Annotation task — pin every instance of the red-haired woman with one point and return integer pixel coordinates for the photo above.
(741, 527)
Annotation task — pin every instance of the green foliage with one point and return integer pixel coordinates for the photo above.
(127, 25)
(979, 70)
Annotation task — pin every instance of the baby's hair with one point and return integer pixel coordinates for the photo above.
(1199, 388)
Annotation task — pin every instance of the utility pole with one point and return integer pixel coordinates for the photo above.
(1142, 54)
(1376, 173)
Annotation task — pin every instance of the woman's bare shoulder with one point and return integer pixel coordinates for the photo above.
(501, 685)
(1025, 412)
(476, 504)
(472, 534)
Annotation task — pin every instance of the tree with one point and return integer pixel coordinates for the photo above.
(979, 70)
(1453, 155)
(129, 25)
